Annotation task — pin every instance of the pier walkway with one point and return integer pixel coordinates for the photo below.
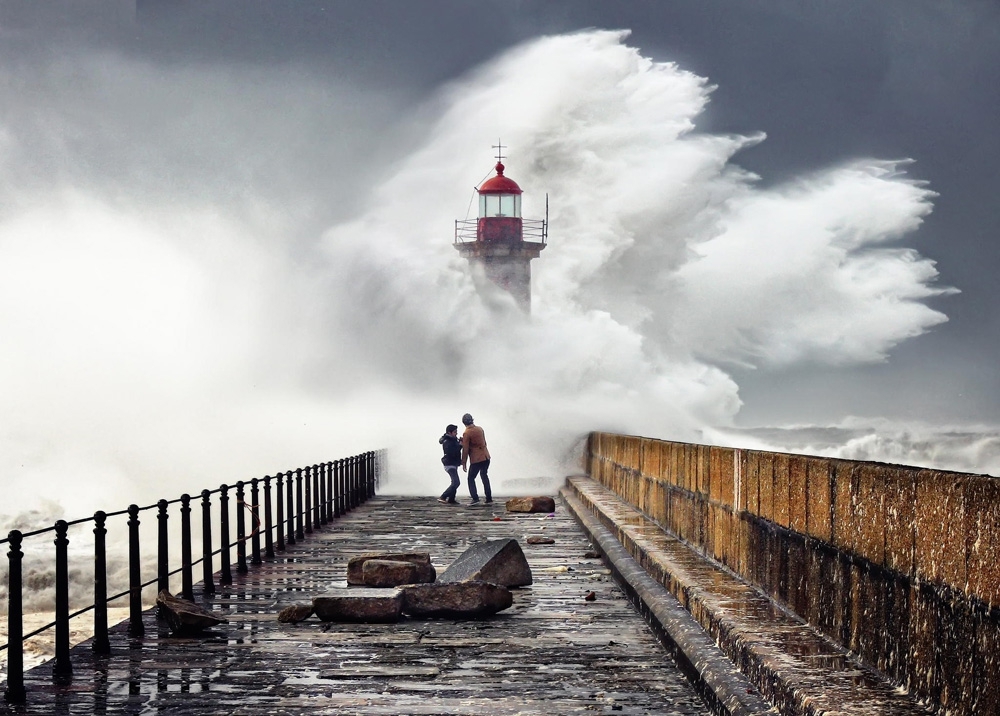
(553, 652)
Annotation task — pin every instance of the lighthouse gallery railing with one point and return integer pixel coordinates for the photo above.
(532, 230)
(306, 498)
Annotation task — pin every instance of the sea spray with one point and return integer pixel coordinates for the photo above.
(170, 325)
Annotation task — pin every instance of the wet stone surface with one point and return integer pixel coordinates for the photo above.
(552, 652)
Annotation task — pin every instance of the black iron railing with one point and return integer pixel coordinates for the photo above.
(305, 499)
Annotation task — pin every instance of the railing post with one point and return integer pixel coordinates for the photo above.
(355, 481)
(227, 557)
(365, 491)
(187, 578)
(63, 667)
(328, 476)
(279, 516)
(342, 479)
(290, 508)
(15, 627)
(362, 492)
(268, 524)
(347, 485)
(355, 497)
(317, 501)
(342, 482)
(135, 627)
(307, 509)
(337, 492)
(241, 529)
(162, 548)
(299, 532)
(101, 643)
(321, 476)
(208, 582)
(255, 526)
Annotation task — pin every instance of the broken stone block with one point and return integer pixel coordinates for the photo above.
(368, 606)
(295, 613)
(538, 539)
(388, 573)
(497, 561)
(531, 504)
(455, 599)
(425, 570)
(185, 617)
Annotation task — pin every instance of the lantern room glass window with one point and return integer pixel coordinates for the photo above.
(499, 205)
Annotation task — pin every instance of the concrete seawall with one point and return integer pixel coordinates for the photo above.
(898, 564)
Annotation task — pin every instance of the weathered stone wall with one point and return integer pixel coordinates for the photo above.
(899, 564)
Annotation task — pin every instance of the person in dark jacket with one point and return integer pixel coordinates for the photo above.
(452, 459)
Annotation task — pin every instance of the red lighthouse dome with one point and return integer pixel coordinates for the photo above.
(499, 184)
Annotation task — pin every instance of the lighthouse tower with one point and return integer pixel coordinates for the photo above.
(499, 240)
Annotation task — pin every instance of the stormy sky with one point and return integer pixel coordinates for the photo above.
(204, 210)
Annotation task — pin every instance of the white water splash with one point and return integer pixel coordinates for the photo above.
(665, 260)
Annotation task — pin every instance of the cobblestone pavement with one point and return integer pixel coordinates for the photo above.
(553, 652)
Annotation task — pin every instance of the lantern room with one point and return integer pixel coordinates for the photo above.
(499, 208)
(499, 196)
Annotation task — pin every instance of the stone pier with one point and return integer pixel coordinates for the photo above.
(571, 642)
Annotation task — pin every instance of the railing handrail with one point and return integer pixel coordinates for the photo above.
(332, 489)
(81, 520)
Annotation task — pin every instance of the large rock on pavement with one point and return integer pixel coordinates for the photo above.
(425, 570)
(185, 617)
(497, 561)
(369, 606)
(531, 504)
(455, 599)
(388, 573)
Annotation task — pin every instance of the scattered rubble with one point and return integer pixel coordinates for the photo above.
(366, 605)
(538, 539)
(388, 573)
(455, 599)
(295, 613)
(531, 504)
(475, 585)
(496, 561)
(185, 617)
(425, 570)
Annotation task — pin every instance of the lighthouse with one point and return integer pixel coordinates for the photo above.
(500, 241)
